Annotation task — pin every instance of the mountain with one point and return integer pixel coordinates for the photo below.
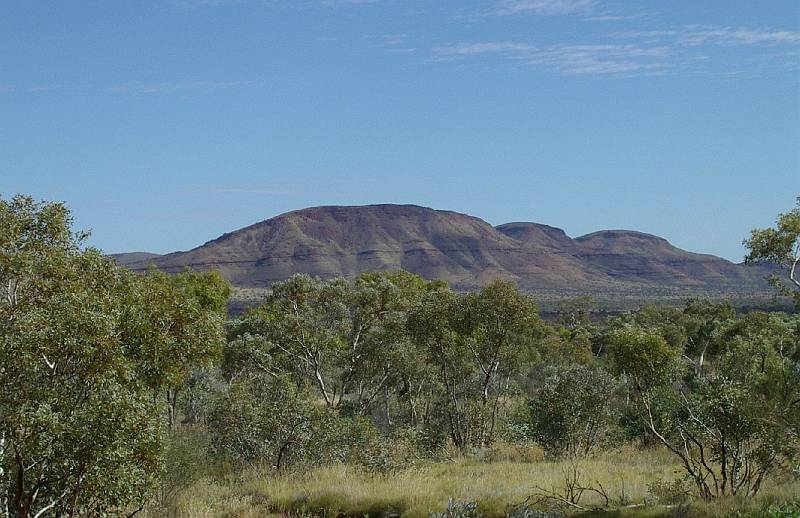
(464, 250)
(636, 257)
(639, 257)
(134, 259)
(536, 234)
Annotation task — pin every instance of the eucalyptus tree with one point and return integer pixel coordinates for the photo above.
(731, 423)
(779, 246)
(83, 355)
(176, 323)
(347, 339)
(703, 322)
(300, 329)
(432, 325)
(497, 328)
(267, 419)
(573, 411)
(383, 361)
(479, 342)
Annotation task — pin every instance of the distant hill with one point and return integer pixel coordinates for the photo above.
(462, 249)
(134, 259)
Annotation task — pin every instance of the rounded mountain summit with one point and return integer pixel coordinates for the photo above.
(333, 241)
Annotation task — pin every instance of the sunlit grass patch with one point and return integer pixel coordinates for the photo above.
(496, 488)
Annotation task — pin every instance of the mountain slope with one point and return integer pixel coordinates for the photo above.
(536, 234)
(134, 259)
(464, 250)
(345, 241)
(636, 257)
(639, 257)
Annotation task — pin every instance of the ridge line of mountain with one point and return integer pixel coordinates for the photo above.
(334, 240)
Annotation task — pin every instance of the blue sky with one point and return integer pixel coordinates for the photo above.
(165, 123)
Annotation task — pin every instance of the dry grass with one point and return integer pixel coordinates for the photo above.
(495, 486)
(415, 492)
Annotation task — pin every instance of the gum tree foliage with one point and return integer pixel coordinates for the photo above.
(300, 329)
(431, 324)
(198, 395)
(666, 321)
(557, 345)
(176, 323)
(780, 246)
(733, 420)
(577, 312)
(643, 355)
(497, 328)
(663, 329)
(381, 360)
(348, 340)
(370, 347)
(264, 420)
(479, 342)
(269, 420)
(572, 412)
(691, 330)
(576, 326)
(703, 321)
(343, 343)
(84, 349)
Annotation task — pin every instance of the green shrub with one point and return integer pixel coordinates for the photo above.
(458, 510)
(572, 412)
(783, 510)
(669, 492)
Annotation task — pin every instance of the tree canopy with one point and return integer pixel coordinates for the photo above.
(780, 246)
(84, 348)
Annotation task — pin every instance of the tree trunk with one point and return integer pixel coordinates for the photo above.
(3, 483)
(172, 407)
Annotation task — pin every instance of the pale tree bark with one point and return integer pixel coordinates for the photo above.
(4, 485)
(795, 262)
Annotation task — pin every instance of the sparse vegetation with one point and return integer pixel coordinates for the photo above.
(637, 483)
(386, 395)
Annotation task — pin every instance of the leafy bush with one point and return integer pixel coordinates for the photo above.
(188, 457)
(198, 395)
(572, 412)
(784, 510)
(672, 492)
(457, 509)
(264, 420)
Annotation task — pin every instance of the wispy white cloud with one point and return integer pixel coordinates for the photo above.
(686, 49)
(604, 59)
(617, 17)
(696, 35)
(600, 59)
(195, 4)
(394, 43)
(492, 47)
(398, 38)
(701, 35)
(544, 7)
(57, 87)
(510, 8)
